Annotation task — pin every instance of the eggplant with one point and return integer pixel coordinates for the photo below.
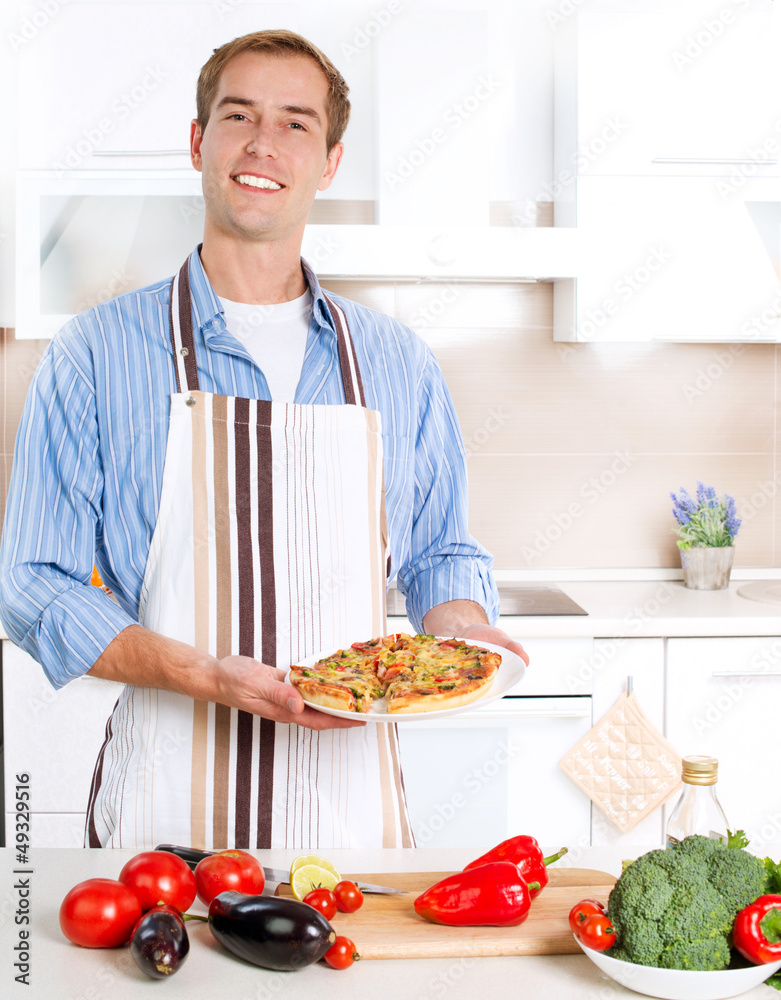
(270, 931)
(159, 943)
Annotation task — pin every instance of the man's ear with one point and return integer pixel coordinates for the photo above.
(331, 166)
(196, 138)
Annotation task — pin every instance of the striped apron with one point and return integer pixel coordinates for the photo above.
(271, 542)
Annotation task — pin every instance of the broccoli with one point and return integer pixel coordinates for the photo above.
(739, 876)
(675, 908)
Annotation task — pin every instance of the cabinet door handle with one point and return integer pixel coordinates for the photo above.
(746, 673)
(140, 152)
(712, 159)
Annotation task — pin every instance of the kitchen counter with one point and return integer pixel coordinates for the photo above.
(62, 971)
(660, 607)
(648, 608)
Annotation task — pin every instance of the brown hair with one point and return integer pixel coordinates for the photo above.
(276, 43)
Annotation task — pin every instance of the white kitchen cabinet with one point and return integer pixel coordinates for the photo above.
(676, 258)
(691, 89)
(130, 69)
(54, 736)
(673, 177)
(723, 698)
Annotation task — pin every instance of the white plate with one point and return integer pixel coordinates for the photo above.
(510, 672)
(675, 984)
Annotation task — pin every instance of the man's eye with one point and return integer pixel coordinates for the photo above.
(238, 115)
(297, 125)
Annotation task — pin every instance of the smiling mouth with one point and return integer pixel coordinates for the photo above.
(251, 180)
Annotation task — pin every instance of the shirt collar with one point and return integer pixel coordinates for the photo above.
(208, 313)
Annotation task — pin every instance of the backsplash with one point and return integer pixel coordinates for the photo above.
(573, 448)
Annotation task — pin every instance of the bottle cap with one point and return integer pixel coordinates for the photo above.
(700, 770)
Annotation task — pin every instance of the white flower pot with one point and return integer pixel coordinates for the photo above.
(707, 568)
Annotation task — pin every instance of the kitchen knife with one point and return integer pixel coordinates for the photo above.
(192, 856)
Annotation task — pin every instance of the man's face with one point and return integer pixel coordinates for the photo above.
(263, 152)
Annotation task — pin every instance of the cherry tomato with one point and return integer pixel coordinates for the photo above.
(99, 913)
(160, 877)
(342, 953)
(597, 932)
(233, 869)
(323, 900)
(349, 897)
(579, 912)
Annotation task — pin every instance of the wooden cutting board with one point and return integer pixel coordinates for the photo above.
(388, 927)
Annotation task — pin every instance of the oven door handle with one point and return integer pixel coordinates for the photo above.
(514, 709)
(531, 713)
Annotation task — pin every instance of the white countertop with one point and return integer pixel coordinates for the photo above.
(653, 608)
(647, 608)
(62, 971)
(636, 608)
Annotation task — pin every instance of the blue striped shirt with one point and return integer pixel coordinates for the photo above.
(88, 464)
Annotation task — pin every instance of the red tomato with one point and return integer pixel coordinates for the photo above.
(341, 954)
(597, 932)
(579, 912)
(323, 900)
(228, 870)
(349, 897)
(160, 877)
(99, 913)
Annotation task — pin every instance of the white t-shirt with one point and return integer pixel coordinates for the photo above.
(275, 336)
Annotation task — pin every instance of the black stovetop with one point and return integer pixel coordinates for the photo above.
(515, 599)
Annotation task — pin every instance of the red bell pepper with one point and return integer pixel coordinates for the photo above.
(523, 851)
(757, 930)
(494, 895)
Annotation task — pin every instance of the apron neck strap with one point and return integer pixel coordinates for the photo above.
(348, 362)
(180, 316)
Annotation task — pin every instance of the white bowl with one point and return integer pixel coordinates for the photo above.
(678, 984)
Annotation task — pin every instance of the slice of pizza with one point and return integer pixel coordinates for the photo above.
(445, 673)
(347, 680)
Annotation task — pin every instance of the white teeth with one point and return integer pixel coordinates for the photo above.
(258, 182)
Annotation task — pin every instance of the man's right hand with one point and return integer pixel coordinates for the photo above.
(146, 659)
(260, 689)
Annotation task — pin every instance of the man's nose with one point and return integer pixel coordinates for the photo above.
(262, 141)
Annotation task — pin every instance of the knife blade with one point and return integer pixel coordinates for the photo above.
(191, 855)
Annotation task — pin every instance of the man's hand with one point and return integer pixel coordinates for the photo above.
(490, 633)
(252, 686)
(138, 656)
(467, 620)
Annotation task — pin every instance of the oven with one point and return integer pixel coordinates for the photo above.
(474, 779)
(478, 778)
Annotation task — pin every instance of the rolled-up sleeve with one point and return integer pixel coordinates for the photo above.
(53, 513)
(444, 563)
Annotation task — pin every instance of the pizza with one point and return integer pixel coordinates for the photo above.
(413, 673)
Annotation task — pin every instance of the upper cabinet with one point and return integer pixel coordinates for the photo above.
(667, 143)
(657, 133)
(693, 91)
(447, 155)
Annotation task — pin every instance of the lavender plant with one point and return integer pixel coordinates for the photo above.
(705, 520)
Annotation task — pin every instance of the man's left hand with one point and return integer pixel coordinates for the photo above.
(467, 620)
(490, 633)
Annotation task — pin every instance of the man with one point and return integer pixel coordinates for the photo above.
(230, 490)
